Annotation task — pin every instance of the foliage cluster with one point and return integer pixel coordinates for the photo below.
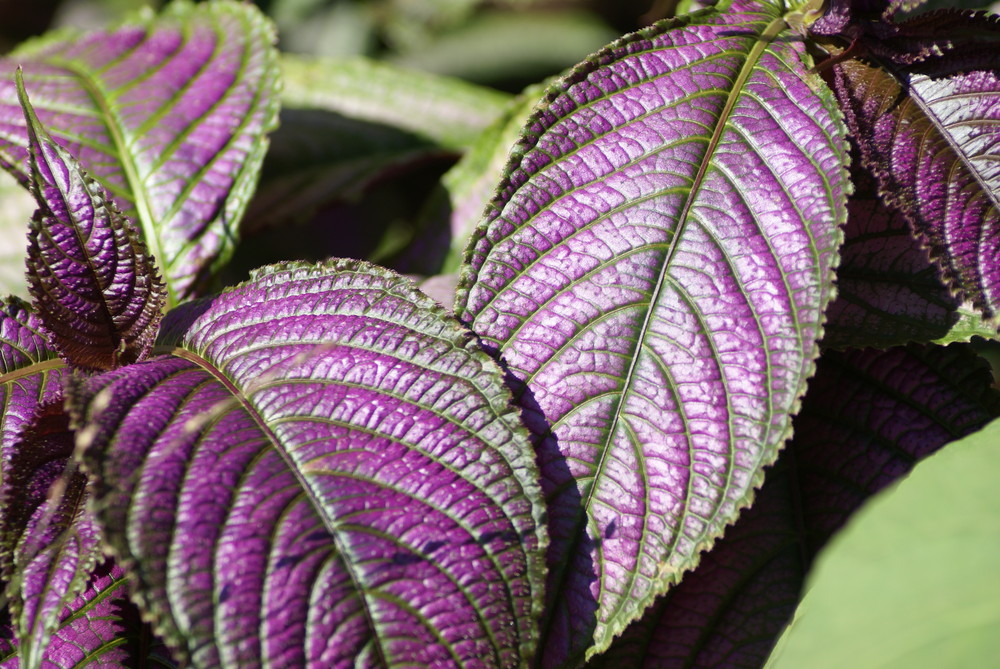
(752, 221)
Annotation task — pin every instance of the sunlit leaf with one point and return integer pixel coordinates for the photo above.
(169, 114)
(322, 469)
(654, 272)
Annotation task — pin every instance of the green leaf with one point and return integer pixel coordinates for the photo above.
(912, 582)
(449, 112)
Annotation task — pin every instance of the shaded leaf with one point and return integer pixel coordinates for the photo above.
(169, 114)
(95, 287)
(469, 185)
(321, 469)
(888, 291)
(868, 418)
(319, 157)
(654, 272)
(927, 127)
(912, 581)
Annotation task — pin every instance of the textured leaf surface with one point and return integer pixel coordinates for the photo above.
(888, 291)
(169, 115)
(929, 131)
(324, 471)
(912, 582)
(654, 273)
(95, 287)
(868, 418)
(99, 628)
(48, 544)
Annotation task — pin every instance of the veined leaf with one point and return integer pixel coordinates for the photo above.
(654, 272)
(925, 113)
(911, 582)
(49, 546)
(100, 627)
(868, 418)
(96, 289)
(169, 114)
(322, 469)
(888, 291)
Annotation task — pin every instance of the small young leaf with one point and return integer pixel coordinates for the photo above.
(654, 272)
(95, 287)
(169, 113)
(322, 469)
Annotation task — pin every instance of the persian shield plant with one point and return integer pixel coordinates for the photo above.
(585, 464)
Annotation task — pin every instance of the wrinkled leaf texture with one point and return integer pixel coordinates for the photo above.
(169, 113)
(654, 272)
(868, 418)
(321, 469)
(95, 287)
(67, 605)
(924, 106)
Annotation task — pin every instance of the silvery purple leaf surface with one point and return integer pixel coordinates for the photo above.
(95, 287)
(321, 468)
(654, 272)
(868, 418)
(927, 126)
(169, 113)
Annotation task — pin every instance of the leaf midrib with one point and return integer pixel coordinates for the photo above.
(761, 42)
(140, 198)
(339, 546)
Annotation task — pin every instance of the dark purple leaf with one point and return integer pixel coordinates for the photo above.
(654, 272)
(888, 291)
(95, 287)
(99, 628)
(868, 418)
(169, 114)
(924, 110)
(322, 469)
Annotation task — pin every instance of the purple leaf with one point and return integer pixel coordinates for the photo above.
(888, 291)
(95, 287)
(926, 119)
(868, 418)
(48, 543)
(322, 469)
(654, 273)
(99, 628)
(169, 114)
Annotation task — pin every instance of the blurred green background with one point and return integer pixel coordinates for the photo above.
(502, 43)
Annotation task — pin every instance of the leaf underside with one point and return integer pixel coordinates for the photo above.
(321, 469)
(170, 115)
(654, 272)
